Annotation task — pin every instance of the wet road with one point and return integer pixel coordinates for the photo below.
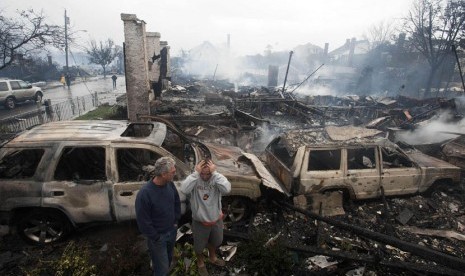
(57, 93)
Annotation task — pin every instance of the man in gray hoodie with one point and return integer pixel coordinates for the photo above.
(206, 186)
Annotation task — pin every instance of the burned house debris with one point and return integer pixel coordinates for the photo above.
(318, 172)
(256, 121)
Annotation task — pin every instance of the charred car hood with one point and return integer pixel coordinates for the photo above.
(428, 161)
(233, 161)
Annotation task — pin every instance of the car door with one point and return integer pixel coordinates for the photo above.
(399, 175)
(21, 174)
(131, 170)
(20, 90)
(4, 90)
(321, 169)
(362, 171)
(79, 183)
(27, 91)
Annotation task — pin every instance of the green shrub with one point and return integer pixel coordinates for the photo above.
(186, 260)
(74, 261)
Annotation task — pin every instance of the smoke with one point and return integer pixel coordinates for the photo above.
(264, 135)
(210, 62)
(435, 130)
(312, 90)
(388, 71)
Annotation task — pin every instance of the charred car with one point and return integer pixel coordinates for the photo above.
(58, 176)
(353, 162)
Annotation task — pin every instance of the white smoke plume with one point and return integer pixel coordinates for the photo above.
(435, 130)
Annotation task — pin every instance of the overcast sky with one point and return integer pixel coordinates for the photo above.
(252, 24)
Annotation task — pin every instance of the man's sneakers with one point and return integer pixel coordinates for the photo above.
(218, 262)
(203, 270)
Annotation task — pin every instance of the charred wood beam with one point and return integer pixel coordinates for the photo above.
(312, 109)
(419, 115)
(375, 260)
(424, 252)
(304, 116)
(182, 120)
(262, 100)
(363, 258)
(247, 116)
(386, 215)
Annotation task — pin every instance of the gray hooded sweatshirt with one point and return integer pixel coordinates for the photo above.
(205, 196)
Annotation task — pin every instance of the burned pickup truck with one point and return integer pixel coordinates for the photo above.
(60, 175)
(354, 163)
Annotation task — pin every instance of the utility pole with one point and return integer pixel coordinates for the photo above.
(458, 65)
(66, 41)
(287, 70)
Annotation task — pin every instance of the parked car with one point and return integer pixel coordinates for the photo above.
(18, 91)
(60, 175)
(353, 162)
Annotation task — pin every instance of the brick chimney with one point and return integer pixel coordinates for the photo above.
(136, 61)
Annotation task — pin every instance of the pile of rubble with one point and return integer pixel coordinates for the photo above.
(436, 224)
(409, 235)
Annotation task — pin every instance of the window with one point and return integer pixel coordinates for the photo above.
(281, 151)
(359, 159)
(138, 130)
(20, 164)
(3, 86)
(394, 159)
(132, 164)
(81, 163)
(324, 160)
(24, 85)
(15, 85)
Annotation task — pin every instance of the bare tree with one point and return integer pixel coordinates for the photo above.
(433, 27)
(102, 53)
(380, 33)
(25, 34)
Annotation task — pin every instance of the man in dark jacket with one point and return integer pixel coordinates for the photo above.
(158, 210)
(113, 78)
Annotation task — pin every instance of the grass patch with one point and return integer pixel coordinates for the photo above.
(105, 112)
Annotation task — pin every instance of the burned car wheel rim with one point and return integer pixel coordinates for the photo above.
(235, 209)
(41, 228)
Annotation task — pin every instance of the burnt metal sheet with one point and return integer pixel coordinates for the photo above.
(84, 130)
(429, 161)
(231, 162)
(349, 132)
(267, 178)
(377, 122)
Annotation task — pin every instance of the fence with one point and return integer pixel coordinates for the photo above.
(46, 112)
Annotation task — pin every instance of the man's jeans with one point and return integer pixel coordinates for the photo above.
(161, 252)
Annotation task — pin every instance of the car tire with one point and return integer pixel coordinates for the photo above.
(41, 227)
(10, 103)
(236, 209)
(38, 97)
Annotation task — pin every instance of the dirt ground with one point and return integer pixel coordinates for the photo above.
(118, 249)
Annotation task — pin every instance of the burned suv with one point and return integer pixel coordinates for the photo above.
(60, 175)
(15, 91)
(353, 162)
